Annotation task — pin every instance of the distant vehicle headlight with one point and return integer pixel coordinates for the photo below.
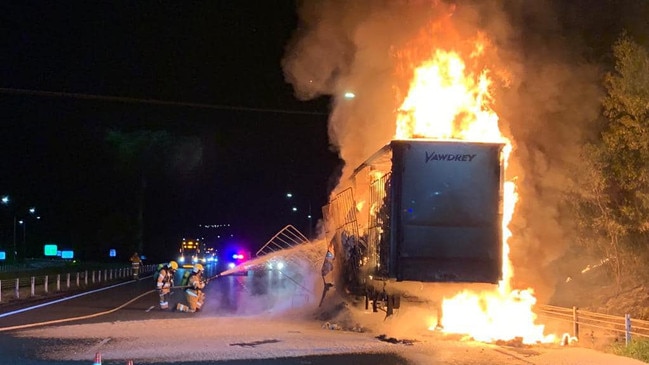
(231, 265)
(181, 259)
(280, 265)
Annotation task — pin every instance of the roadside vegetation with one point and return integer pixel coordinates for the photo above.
(637, 349)
(611, 197)
(611, 200)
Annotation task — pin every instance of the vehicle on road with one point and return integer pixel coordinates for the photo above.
(233, 258)
(192, 251)
(416, 212)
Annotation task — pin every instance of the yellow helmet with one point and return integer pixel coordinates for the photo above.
(198, 267)
(173, 265)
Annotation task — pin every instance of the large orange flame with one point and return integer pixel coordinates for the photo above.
(446, 100)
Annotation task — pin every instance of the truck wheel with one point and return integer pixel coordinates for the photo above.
(390, 306)
(374, 304)
(367, 300)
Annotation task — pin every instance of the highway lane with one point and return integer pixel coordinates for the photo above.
(227, 296)
(128, 301)
(243, 299)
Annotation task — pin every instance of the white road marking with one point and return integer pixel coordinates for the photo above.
(63, 299)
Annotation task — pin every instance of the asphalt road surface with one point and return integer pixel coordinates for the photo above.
(227, 296)
(236, 326)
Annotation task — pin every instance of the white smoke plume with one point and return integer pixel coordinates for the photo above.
(347, 46)
(544, 95)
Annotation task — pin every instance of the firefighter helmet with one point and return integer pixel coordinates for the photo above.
(173, 265)
(198, 267)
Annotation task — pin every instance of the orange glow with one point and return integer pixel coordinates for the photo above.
(446, 102)
(447, 99)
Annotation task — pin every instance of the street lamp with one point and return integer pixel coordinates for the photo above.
(309, 217)
(23, 223)
(31, 211)
(5, 201)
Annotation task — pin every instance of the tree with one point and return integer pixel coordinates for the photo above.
(145, 154)
(625, 143)
(613, 201)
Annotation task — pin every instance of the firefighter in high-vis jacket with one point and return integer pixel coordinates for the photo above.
(136, 262)
(165, 282)
(194, 292)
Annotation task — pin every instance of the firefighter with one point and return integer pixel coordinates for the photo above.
(194, 293)
(136, 261)
(165, 282)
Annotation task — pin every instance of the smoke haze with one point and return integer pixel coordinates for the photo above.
(546, 96)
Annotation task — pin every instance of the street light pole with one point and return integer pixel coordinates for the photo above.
(310, 222)
(15, 253)
(24, 224)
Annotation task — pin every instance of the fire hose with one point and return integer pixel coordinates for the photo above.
(30, 325)
(63, 320)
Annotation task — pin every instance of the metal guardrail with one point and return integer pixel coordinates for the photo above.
(606, 323)
(14, 267)
(42, 285)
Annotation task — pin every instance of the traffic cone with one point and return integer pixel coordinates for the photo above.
(97, 359)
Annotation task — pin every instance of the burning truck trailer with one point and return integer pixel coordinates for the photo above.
(418, 216)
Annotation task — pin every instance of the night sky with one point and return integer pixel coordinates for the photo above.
(216, 63)
(211, 72)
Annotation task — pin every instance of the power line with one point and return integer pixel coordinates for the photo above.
(122, 99)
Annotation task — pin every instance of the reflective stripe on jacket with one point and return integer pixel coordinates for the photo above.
(165, 279)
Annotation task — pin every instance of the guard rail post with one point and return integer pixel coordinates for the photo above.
(32, 292)
(47, 279)
(86, 278)
(58, 282)
(67, 281)
(575, 323)
(627, 329)
(17, 289)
